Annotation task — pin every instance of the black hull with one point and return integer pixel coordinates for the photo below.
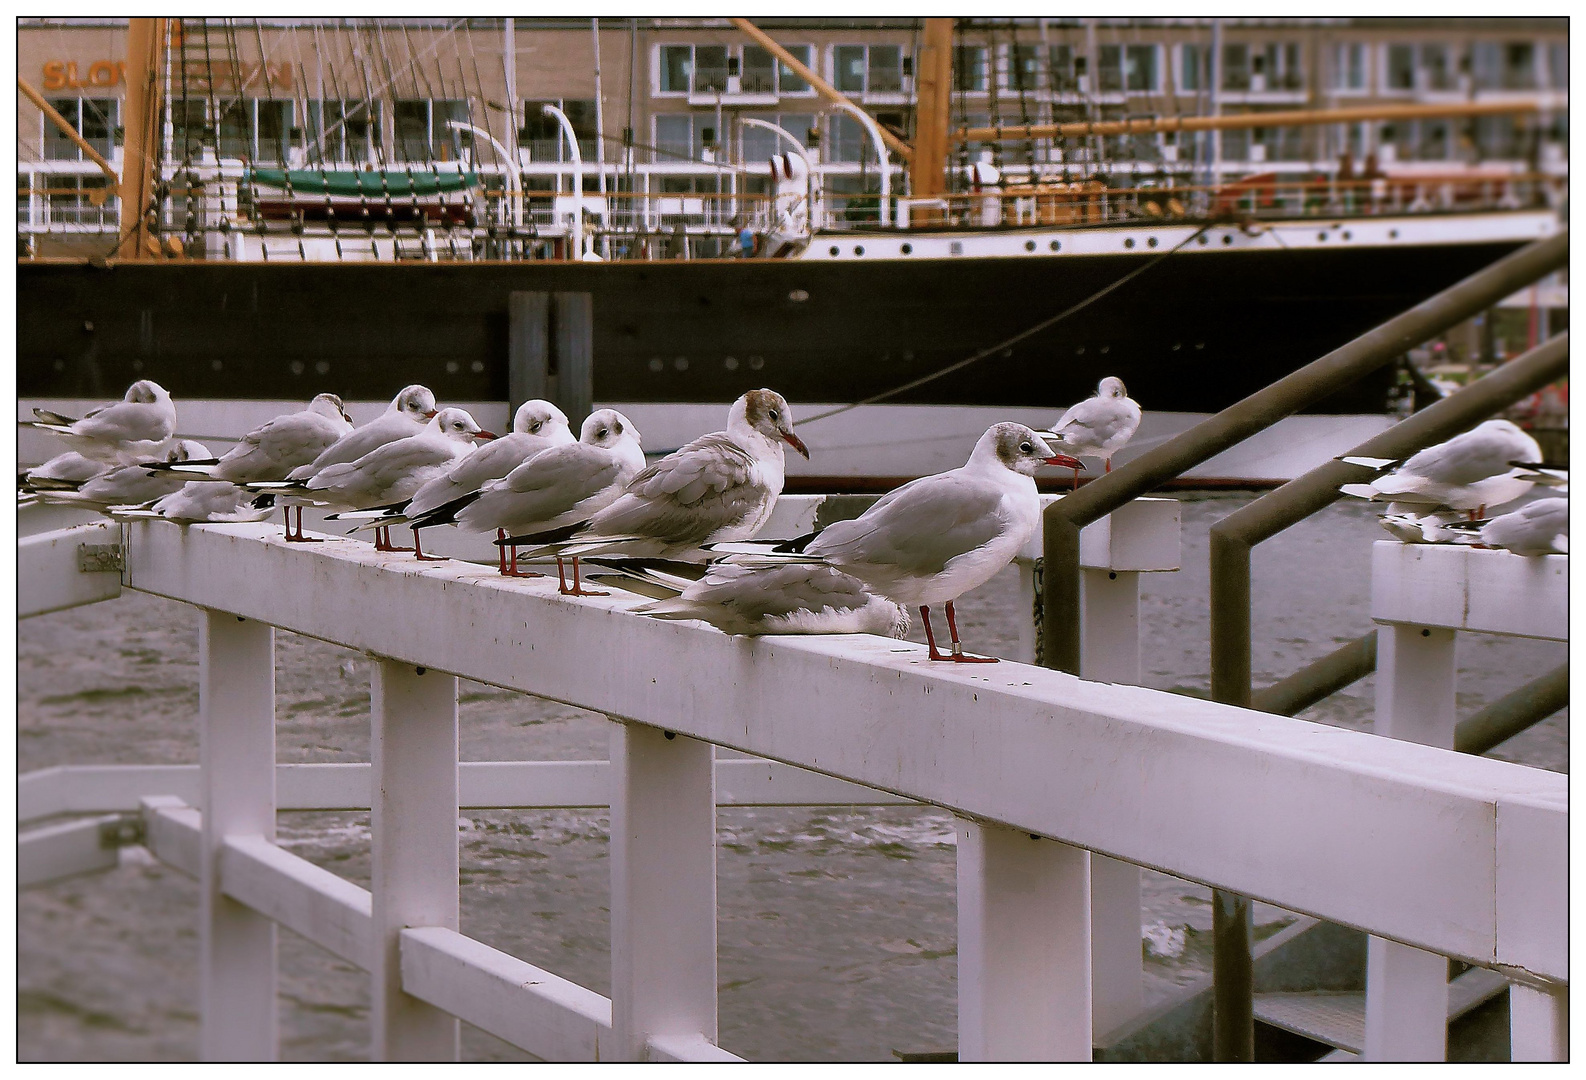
(1191, 334)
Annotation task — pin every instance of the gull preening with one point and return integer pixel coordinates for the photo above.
(720, 487)
(936, 538)
(138, 426)
(1469, 472)
(1099, 426)
(63, 472)
(789, 599)
(129, 484)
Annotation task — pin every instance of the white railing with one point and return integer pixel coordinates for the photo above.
(1450, 854)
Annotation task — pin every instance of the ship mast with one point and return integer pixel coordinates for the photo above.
(145, 49)
(933, 75)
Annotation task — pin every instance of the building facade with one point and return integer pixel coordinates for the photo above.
(658, 106)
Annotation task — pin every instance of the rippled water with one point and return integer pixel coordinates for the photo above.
(836, 925)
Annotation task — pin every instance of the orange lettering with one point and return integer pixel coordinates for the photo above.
(283, 74)
(102, 73)
(54, 75)
(71, 75)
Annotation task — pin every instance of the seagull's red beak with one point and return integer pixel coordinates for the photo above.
(796, 443)
(1065, 461)
(484, 436)
(431, 414)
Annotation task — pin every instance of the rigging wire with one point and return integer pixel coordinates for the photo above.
(1015, 339)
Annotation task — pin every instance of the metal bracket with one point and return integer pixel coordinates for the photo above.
(121, 831)
(99, 559)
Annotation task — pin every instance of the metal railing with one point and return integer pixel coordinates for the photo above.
(1059, 781)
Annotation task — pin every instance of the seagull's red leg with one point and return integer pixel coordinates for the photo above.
(930, 638)
(299, 538)
(389, 546)
(1108, 462)
(512, 566)
(501, 552)
(1075, 485)
(576, 590)
(418, 549)
(959, 656)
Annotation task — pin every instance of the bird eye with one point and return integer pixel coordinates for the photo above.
(536, 426)
(602, 433)
(1026, 448)
(774, 415)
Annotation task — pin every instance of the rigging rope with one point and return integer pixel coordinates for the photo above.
(1015, 339)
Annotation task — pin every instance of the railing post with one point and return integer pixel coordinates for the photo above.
(1023, 947)
(1407, 988)
(663, 888)
(1111, 653)
(236, 747)
(1538, 1023)
(414, 861)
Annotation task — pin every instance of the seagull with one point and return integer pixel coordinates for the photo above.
(538, 425)
(1469, 472)
(139, 425)
(1431, 528)
(789, 599)
(556, 488)
(201, 500)
(407, 414)
(1537, 528)
(63, 472)
(130, 484)
(936, 538)
(1099, 426)
(395, 470)
(720, 487)
(274, 449)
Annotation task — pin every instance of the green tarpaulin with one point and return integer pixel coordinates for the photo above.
(353, 182)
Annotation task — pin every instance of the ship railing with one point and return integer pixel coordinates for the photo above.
(1062, 635)
(1045, 774)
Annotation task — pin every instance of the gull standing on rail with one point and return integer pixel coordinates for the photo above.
(555, 489)
(395, 470)
(139, 425)
(936, 538)
(720, 487)
(273, 449)
(1469, 472)
(1099, 426)
(538, 425)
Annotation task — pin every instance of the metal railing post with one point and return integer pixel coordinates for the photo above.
(663, 888)
(1023, 947)
(413, 877)
(236, 747)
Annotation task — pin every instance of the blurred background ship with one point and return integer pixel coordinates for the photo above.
(845, 210)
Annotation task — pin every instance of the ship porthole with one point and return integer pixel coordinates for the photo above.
(451, 367)
(907, 249)
(1347, 235)
(859, 250)
(798, 296)
(1129, 243)
(322, 367)
(1228, 238)
(477, 366)
(297, 367)
(1080, 351)
(215, 365)
(832, 250)
(1321, 236)
(1151, 242)
(1393, 234)
(1029, 245)
(731, 363)
(681, 363)
(756, 362)
(656, 363)
(1204, 239)
(1056, 245)
(1177, 345)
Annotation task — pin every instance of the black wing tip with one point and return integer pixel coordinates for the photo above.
(551, 536)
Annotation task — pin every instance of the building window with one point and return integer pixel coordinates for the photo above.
(70, 201)
(543, 135)
(236, 129)
(860, 69)
(1558, 65)
(1349, 66)
(95, 121)
(758, 73)
(677, 67)
(1436, 67)
(273, 130)
(684, 137)
(1195, 68)
(789, 81)
(1280, 63)
(848, 68)
(969, 68)
(1519, 66)
(710, 69)
(1236, 67)
(1061, 74)
(1024, 68)
(1400, 74)
(1128, 67)
(1497, 137)
(884, 73)
(758, 144)
(344, 130)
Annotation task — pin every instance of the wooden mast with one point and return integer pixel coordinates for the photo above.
(141, 120)
(933, 76)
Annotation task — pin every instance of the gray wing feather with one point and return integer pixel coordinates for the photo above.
(549, 484)
(918, 528)
(688, 496)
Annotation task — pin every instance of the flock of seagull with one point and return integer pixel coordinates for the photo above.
(684, 530)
